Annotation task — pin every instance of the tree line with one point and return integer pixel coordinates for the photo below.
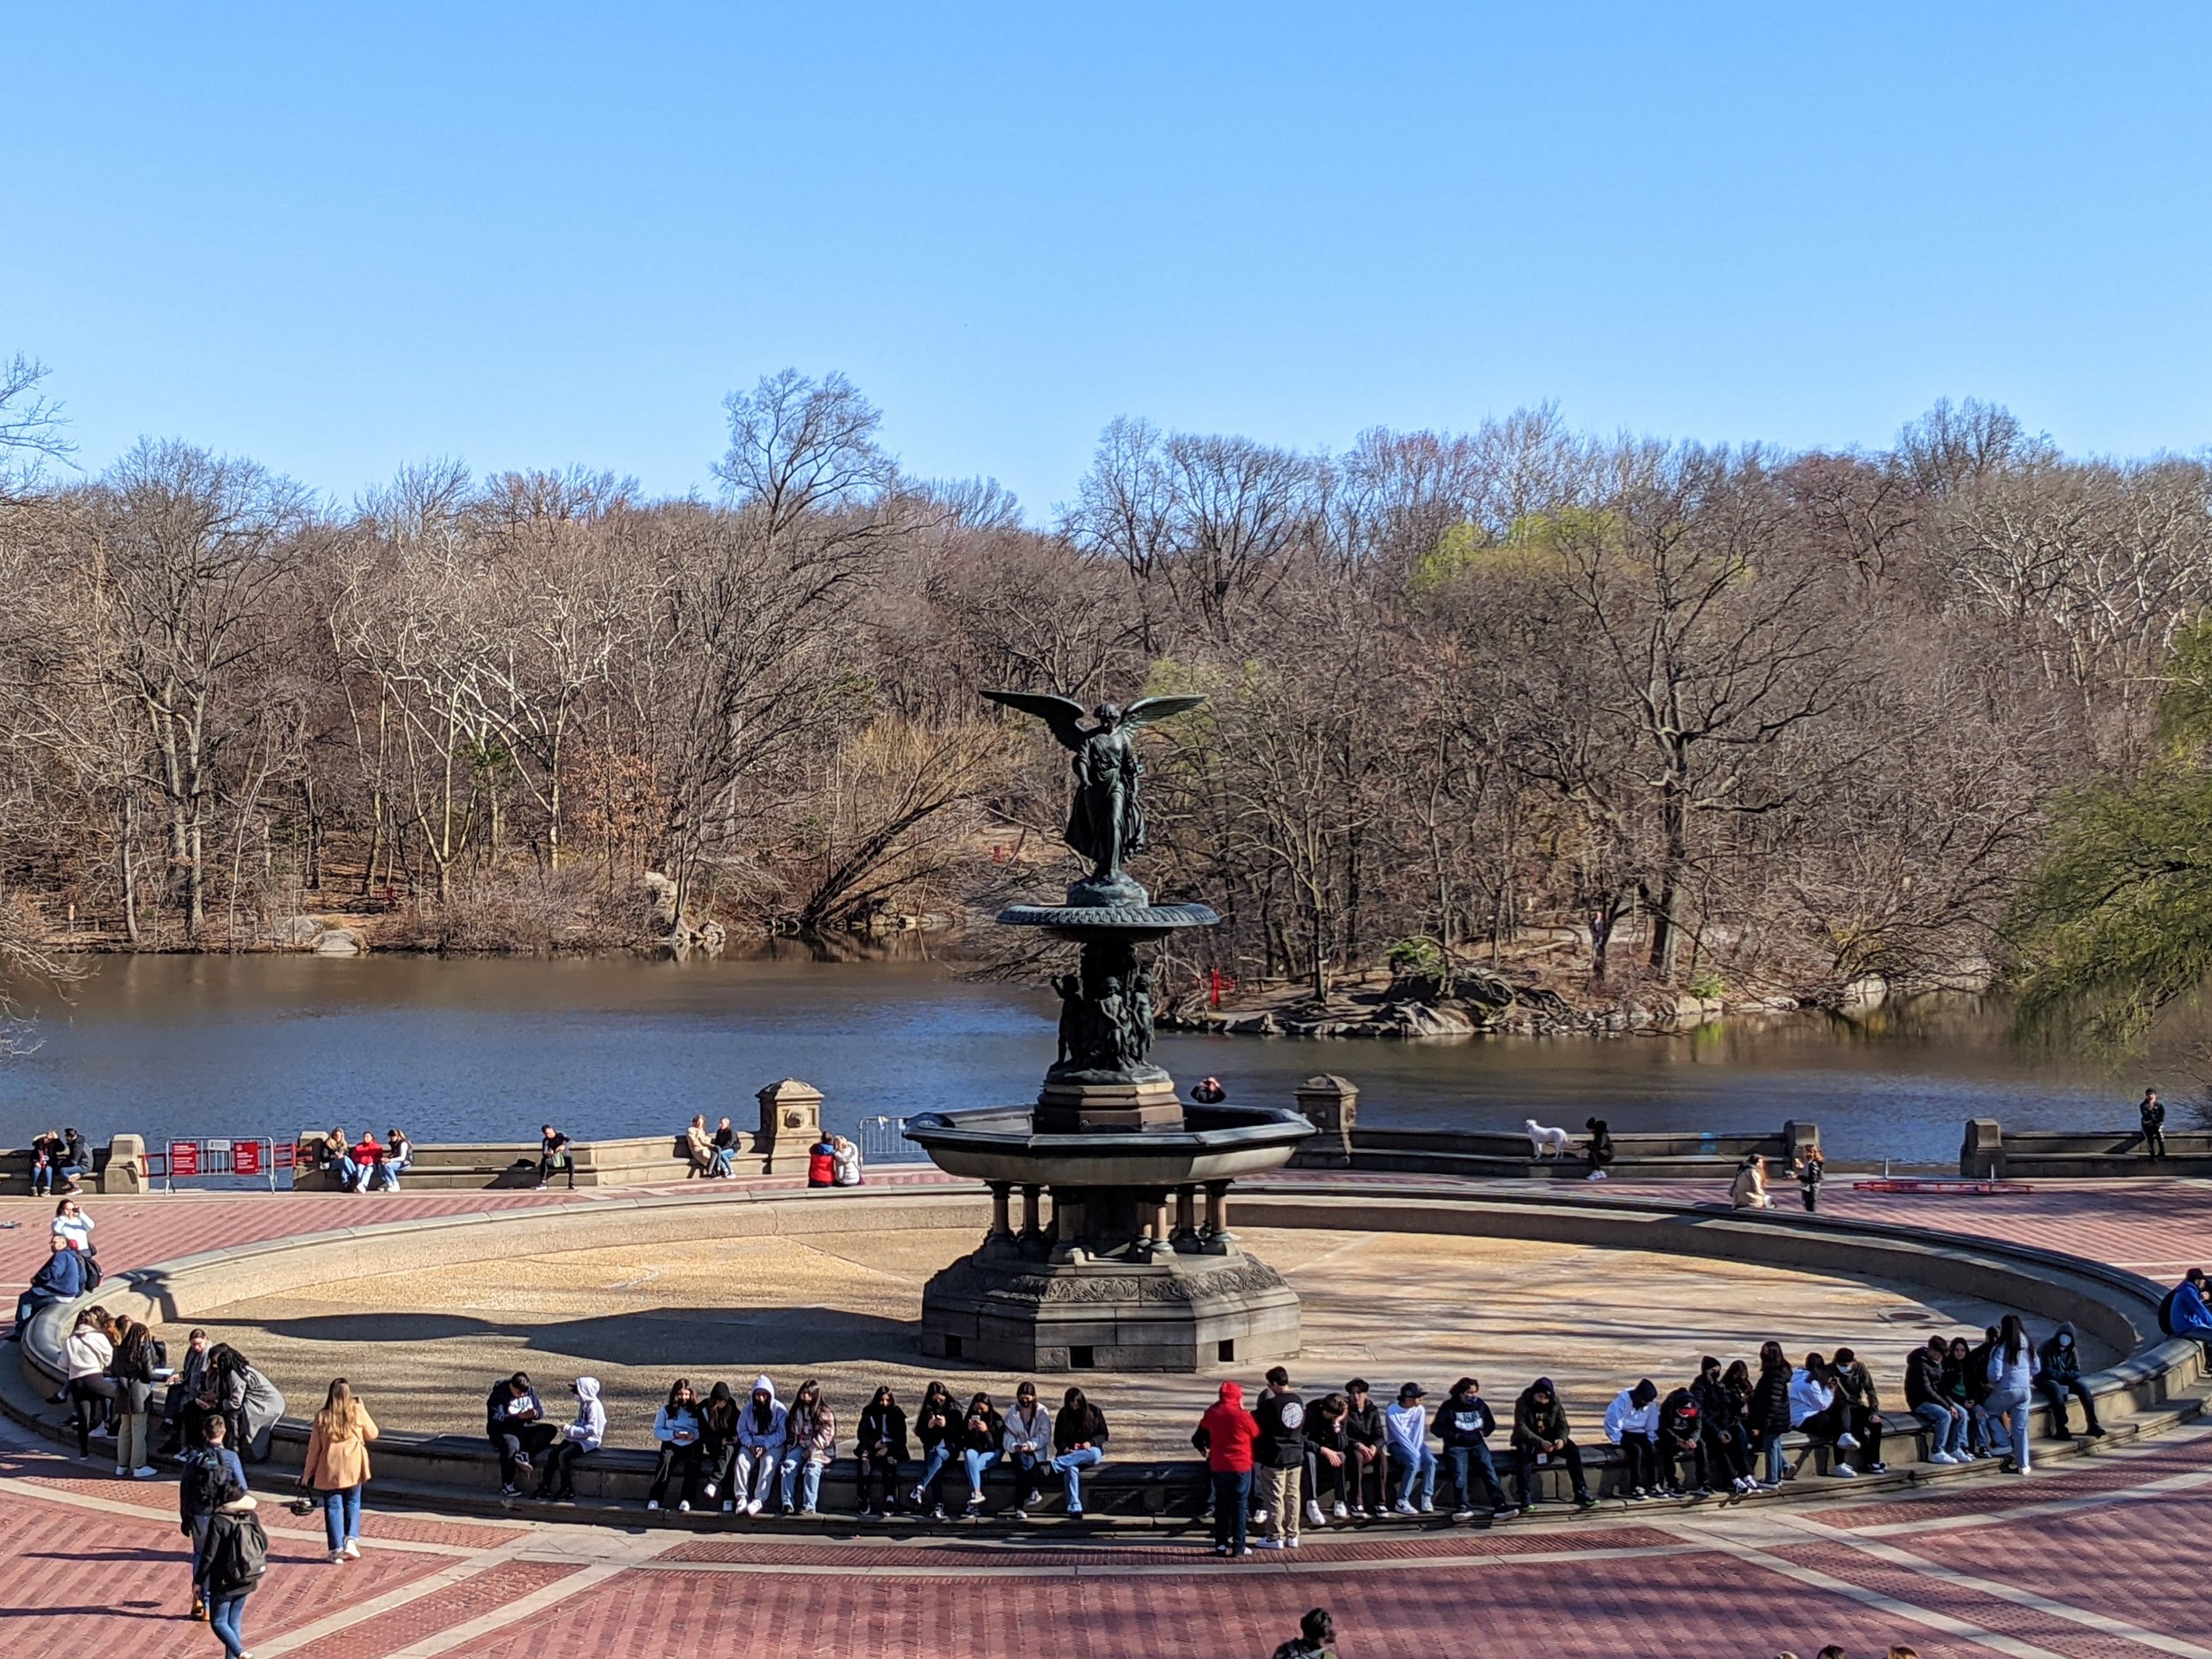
(1656, 714)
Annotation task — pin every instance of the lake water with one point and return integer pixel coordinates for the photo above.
(488, 1049)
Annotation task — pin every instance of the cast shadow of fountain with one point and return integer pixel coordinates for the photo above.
(659, 1337)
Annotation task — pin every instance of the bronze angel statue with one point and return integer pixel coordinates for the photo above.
(1106, 818)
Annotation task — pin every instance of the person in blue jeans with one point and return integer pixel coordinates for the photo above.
(1412, 1465)
(1465, 1423)
(1078, 1442)
(1226, 1435)
(236, 1556)
(981, 1432)
(1925, 1395)
(209, 1467)
(936, 1429)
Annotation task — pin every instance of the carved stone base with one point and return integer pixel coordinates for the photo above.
(1069, 1107)
(1175, 1312)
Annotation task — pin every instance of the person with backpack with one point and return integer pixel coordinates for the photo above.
(207, 1465)
(1465, 1423)
(1281, 1453)
(337, 1466)
(1227, 1434)
(1316, 1638)
(2184, 1312)
(231, 1566)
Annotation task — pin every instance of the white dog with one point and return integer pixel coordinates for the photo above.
(1544, 1142)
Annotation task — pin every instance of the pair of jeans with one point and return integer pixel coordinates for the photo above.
(724, 1160)
(227, 1620)
(387, 1173)
(1467, 1463)
(347, 1171)
(2056, 1393)
(979, 1465)
(558, 1478)
(1232, 1501)
(1640, 1461)
(939, 1458)
(1771, 1455)
(1069, 1466)
(1282, 1501)
(877, 1474)
(1413, 1478)
(800, 1476)
(342, 1516)
(2009, 1407)
(1947, 1427)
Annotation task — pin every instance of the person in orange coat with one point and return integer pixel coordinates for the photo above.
(337, 1466)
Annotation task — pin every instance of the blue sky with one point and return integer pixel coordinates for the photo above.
(337, 238)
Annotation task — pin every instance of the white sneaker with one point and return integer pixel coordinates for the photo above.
(1427, 1508)
(753, 1507)
(1313, 1514)
(1259, 1517)
(1403, 1507)
(684, 1508)
(337, 1557)
(1292, 1541)
(1338, 1513)
(1942, 1457)
(1844, 1471)
(1849, 1442)
(652, 1503)
(353, 1549)
(1267, 1543)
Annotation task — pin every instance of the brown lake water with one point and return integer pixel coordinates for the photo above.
(486, 1049)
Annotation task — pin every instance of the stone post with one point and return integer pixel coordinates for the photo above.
(126, 1170)
(1219, 1240)
(1798, 1139)
(1331, 1104)
(1186, 1218)
(1033, 1215)
(790, 1120)
(1000, 1225)
(1982, 1153)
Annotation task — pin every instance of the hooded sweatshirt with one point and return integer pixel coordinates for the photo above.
(2188, 1314)
(1537, 1423)
(1464, 1420)
(677, 1425)
(1808, 1397)
(590, 1426)
(1924, 1377)
(761, 1424)
(2010, 1372)
(1226, 1433)
(1634, 1412)
(1407, 1426)
(1680, 1420)
(2062, 1355)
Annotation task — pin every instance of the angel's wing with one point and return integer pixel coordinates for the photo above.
(1145, 710)
(1063, 715)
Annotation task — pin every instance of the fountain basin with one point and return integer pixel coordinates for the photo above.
(1000, 1143)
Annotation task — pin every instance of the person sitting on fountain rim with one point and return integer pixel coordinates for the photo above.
(1328, 1459)
(1632, 1423)
(1819, 1413)
(1599, 1152)
(676, 1431)
(1078, 1442)
(879, 1452)
(1364, 1435)
(1412, 1465)
(718, 1447)
(1862, 1406)
(1282, 1454)
(578, 1439)
(763, 1423)
(1926, 1398)
(2184, 1311)
(937, 1429)
(1465, 1423)
(1540, 1439)
(553, 1156)
(514, 1421)
(336, 1152)
(2062, 1376)
(821, 1162)
(1028, 1446)
(368, 1158)
(1679, 1434)
(699, 1149)
(982, 1429)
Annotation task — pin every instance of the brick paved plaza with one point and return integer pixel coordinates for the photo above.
(2097, 1557)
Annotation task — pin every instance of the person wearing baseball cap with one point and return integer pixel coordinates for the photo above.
(1363, 1438)
(1412, 1465)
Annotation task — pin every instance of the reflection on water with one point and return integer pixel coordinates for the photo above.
(489, 1050)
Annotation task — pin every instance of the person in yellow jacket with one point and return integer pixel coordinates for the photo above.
(337, 1466)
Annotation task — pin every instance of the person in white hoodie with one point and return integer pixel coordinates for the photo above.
(2013, 1369)
(91, 1391)
(556, 1482)
(761, 1426)
(1412, 1465)
(1821, 1414)
(1632, 1423)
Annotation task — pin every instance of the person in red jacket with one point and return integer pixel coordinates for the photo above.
(1225, 1434)
(821, 1164)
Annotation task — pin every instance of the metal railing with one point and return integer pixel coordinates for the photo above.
(883, 1140)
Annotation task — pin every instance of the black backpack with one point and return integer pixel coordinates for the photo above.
(2166, 1311)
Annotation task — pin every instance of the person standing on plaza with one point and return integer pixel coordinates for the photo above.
(1281, 1452)
(2013, 1371)
(554, 1157)
(1412, 1465)
(1810, 1170)
(2062, 1376)
(1227, 1434)
(514, 1421)
(1028, 1447)
(137, 1357)
(1465, 1423)
(207, 1465)
(763, 1423)
(85, 1356)
(1363, 1438)
(2152, 1112)
(676, 1432)
(1078, 1442)
(231, 1566)
(1926, 1399)
(1540, 1439)
(1767, 1413)
(879, 1452)
(337, 1466)
(579, 1438)
(1632, 1423)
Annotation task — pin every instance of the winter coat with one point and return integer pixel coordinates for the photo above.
(134, 1378)
(1716, 1413)
(2061, 1360)
(61, 1279)
(1768, 1411)
(237, 1551)
(1227, 1433)
(1855, 1384)
(88, 1353)
(1032, 1433)
(763, 1429)
(1464, 1420)
(588, 1428)
(503, 1410)
(2187, 1315)
(1680, 1418)
(1282, 1420)
(981, 1430)
(933, 1424)
(1363, 1425)
(882, 1429)
(1071, 1428)
(1923, 1379)
(337, 1461)
(1535, 1425)
(698, 1147)
(815, 1436)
